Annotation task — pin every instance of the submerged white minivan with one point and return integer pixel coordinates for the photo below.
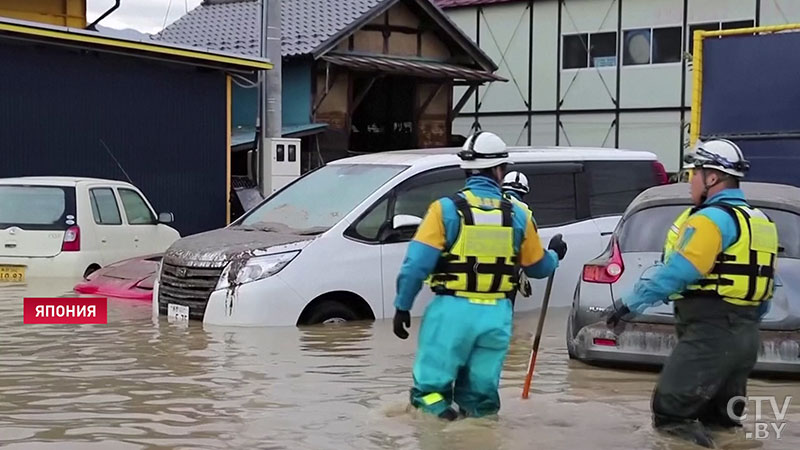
(328, 247)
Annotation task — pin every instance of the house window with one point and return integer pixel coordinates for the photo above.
(637, 47)
(716, 26)
(603, 49)
(652, 46)
(575, 55)
(666, 45)
(589, 50)
(738, 24)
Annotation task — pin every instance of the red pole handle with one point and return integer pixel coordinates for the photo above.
(529, 377)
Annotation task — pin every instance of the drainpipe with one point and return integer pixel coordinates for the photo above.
(270, 88)
(93, 26)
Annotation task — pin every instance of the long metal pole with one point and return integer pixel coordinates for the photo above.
(617, 103)
(558, 76)
(683, 80)
(270, 89)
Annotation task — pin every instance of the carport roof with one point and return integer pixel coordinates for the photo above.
(408, 66)
(72, 37)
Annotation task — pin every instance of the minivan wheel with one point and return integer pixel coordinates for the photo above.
(331, 312)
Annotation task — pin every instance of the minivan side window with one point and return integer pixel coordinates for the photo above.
(136, 210)
(552, 197)
(104, 206)
(370, 225)
(412, 197)
(614, 184)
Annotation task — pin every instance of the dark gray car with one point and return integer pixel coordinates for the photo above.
(636, 248)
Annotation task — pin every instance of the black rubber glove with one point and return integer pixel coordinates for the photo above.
(401, 318)
(558, 245)
(615, 315)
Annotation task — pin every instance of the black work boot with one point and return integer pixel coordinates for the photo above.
(689, 431)
(449, 414)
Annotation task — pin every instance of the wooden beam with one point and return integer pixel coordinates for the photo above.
(463, 100)
(427, 102)
(327, 90)
(392, 29)
(361, 95)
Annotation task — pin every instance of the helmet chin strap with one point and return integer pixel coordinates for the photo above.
(706, 187)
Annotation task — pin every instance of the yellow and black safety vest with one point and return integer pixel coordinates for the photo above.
(521, 204)
(672, 240)
(743, 273)
(480, 264)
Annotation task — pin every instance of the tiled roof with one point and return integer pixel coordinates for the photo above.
(456, 3)
(234, 25)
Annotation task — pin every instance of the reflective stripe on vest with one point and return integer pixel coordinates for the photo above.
(480, 263)
(744, 273)
(672, 239)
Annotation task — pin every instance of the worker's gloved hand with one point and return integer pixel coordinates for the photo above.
(614, 315)
(558, 245)
(401, 318)
(524, 285)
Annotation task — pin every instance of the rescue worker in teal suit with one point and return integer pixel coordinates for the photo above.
(719, 273)
(515, 186)
(466, 248)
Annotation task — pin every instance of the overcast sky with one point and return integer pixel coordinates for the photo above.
(146, 16)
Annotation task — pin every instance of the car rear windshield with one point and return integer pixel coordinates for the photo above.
(37, 207)
(646, 230)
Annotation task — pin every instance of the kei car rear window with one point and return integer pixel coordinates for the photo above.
(37, 207)
(646, 230)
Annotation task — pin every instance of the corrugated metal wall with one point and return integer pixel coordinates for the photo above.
(165, 124)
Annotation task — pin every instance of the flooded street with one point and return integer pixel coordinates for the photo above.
(141, 383)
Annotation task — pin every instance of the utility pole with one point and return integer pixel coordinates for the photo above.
(269, 89)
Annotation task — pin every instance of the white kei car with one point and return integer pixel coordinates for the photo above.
(328, 247)
(69, 227)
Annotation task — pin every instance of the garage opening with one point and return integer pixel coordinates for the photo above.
(383, 118)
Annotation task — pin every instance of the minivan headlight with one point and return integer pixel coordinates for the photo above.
(254, 269)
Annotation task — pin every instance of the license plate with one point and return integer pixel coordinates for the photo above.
(178, 312)
(12, 274)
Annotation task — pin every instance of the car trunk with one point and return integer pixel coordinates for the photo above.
(642, 265)
(641, 238)
(34, 219)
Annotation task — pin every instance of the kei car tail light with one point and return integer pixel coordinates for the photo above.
(72, 239)
(607, 268)
(660, 173)
(605, 342)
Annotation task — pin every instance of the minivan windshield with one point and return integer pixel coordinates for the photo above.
(35, 207)
(320, 199)
(646, 230)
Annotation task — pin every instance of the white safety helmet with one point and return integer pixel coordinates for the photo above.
(483, 150)
(718, 154)
(517, 182)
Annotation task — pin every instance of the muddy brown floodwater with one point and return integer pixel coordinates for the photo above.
(143, 383)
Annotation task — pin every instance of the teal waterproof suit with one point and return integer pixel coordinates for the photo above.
(463, 341)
